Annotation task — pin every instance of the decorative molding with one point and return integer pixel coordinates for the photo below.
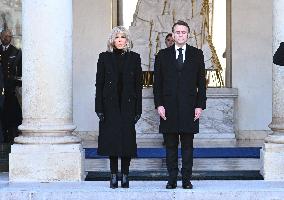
(252, 134)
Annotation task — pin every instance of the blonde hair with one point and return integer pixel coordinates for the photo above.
(114, 32)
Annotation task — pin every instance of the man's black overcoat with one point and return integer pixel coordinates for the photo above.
(180, 92)
(117, 135)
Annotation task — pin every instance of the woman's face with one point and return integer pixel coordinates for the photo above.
(120, 41)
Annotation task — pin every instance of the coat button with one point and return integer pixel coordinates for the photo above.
(128, 99)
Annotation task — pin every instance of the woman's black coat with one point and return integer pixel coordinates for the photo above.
(278, 57)
(117, 135)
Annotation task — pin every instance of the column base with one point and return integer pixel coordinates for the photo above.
(46, 162)
(67, 139)
(272, 158)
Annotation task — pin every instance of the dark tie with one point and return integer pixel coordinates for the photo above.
(180, 57)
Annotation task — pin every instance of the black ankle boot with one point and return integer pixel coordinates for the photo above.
(124, 181)
(113, 181)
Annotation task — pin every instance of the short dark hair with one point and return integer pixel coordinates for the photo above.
(182, 23)
(169, 35)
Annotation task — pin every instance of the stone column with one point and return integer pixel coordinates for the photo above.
(272, 153)
(47, 150)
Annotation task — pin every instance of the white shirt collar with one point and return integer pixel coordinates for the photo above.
(183, 48)
(183, 51)
(5, 47)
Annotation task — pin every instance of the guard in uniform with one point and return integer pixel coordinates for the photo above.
(11, 61)
(1, 100)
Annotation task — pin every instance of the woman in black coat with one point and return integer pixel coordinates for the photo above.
(118, 103)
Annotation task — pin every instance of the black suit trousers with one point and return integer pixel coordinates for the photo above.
(172, 141)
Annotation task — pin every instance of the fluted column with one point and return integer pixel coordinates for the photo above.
(47, 150)
(272, 153)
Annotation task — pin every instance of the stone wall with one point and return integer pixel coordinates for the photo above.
(10, 11)
(252, 66)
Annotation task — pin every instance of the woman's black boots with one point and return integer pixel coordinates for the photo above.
(124, 181)
(113, 181)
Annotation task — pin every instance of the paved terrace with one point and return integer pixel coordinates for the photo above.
(91, 190)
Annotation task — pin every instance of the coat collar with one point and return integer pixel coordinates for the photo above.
(188, 54)
(125, 63)
(172, 55)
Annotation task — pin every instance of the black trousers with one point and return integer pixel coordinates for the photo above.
(125, 163)
(172, 141)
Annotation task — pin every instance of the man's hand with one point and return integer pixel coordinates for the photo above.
(101, 116)
(198, 112)
(136, 118)
(162, 112)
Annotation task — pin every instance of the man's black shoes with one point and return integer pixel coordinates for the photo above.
(171, 185)
(186, 184)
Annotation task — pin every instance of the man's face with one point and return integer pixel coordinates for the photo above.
(169, 41)
(6, 38)
(180, 35)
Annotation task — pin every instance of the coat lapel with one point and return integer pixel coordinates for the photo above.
(188, 55)
(172, 56)
(126, 64)
(114, 63)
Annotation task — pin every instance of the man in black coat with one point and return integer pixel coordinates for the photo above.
(278, 57)
(11, 61)
(180, 97)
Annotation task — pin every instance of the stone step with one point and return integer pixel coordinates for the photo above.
(199, 164)
(156, 140)
(163, 175)
(205, 159)
(156, 164)
(5, 149)
(143, 190)
(208, 159)
(212, 152)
